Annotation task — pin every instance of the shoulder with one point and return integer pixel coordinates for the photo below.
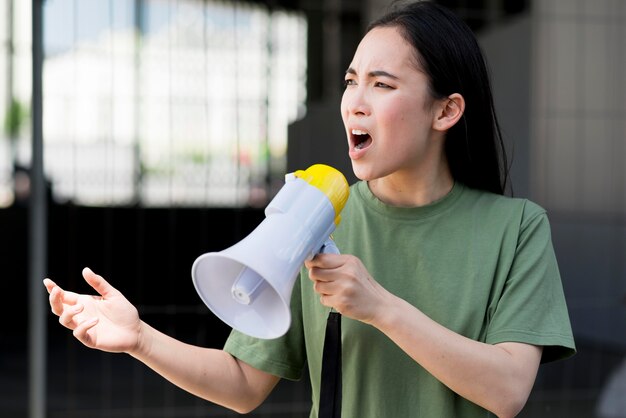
(491, 202)
(497, 211)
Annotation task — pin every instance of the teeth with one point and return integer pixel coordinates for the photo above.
(358, 132)
(359, 146)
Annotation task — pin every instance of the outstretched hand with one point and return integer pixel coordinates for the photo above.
(106, 321)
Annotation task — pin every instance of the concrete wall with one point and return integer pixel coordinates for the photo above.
(578, 141)
(508, 52)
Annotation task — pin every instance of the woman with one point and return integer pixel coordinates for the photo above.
(449, 291)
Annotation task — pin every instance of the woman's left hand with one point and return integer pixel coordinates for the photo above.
(343, 283)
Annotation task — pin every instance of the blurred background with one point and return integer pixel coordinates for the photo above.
(138, 134)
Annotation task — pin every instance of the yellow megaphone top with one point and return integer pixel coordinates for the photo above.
(331, 182)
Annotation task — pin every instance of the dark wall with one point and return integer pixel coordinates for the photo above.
(145, 253)
(13, 265)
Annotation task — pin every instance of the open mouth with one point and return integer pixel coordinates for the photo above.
(360, 139)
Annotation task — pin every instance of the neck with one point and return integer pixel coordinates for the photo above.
(406, 190)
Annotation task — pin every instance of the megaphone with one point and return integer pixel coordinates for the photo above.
(249, 285)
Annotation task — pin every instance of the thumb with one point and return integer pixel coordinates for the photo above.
(98, 283)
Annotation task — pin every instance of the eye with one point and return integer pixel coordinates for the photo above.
(349, 82)
(382, 85)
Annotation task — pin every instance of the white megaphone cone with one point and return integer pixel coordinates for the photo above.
(248, 286)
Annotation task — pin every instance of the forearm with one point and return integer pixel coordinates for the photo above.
(492, 376)
(211, 374)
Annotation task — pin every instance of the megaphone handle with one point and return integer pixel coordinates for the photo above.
(329, 247)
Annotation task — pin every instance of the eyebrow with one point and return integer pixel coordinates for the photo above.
(376, 73)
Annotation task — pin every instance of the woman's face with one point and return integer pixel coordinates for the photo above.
(386, 109)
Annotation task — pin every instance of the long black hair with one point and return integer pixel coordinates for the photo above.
(447, 51)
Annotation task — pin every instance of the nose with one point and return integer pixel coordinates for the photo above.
(355, 102)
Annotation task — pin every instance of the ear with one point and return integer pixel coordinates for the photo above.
(448, 112)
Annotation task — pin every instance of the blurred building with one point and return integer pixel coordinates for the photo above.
(166, 103)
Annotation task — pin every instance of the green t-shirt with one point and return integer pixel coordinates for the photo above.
(478, 263)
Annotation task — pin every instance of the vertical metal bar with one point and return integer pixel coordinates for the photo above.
(207, 101)
(37, 232)
(267, 151)
(238, 179)
(9, 48)
(139, 10)
(9, 78)
(171, 26)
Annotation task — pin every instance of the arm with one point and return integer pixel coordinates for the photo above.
(211, 374)
(110, 323)
(497, 377)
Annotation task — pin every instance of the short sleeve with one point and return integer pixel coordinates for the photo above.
(532, 307)
(284, 356)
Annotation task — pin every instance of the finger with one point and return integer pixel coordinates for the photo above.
(55, 301)
(324, 300)
(59, 297)
(49, 284)
(324, 288)
(67, 318)
(317, 287)
(326, 261)
(98, 283)
(66, 297)
(81, 331)
(320, 274)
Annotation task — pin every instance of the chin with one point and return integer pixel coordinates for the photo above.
(361, 172)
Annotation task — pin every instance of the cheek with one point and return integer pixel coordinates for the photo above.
(343, 107)
(407, 115)
(398, 110)
(344, 115)
(396, 118)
